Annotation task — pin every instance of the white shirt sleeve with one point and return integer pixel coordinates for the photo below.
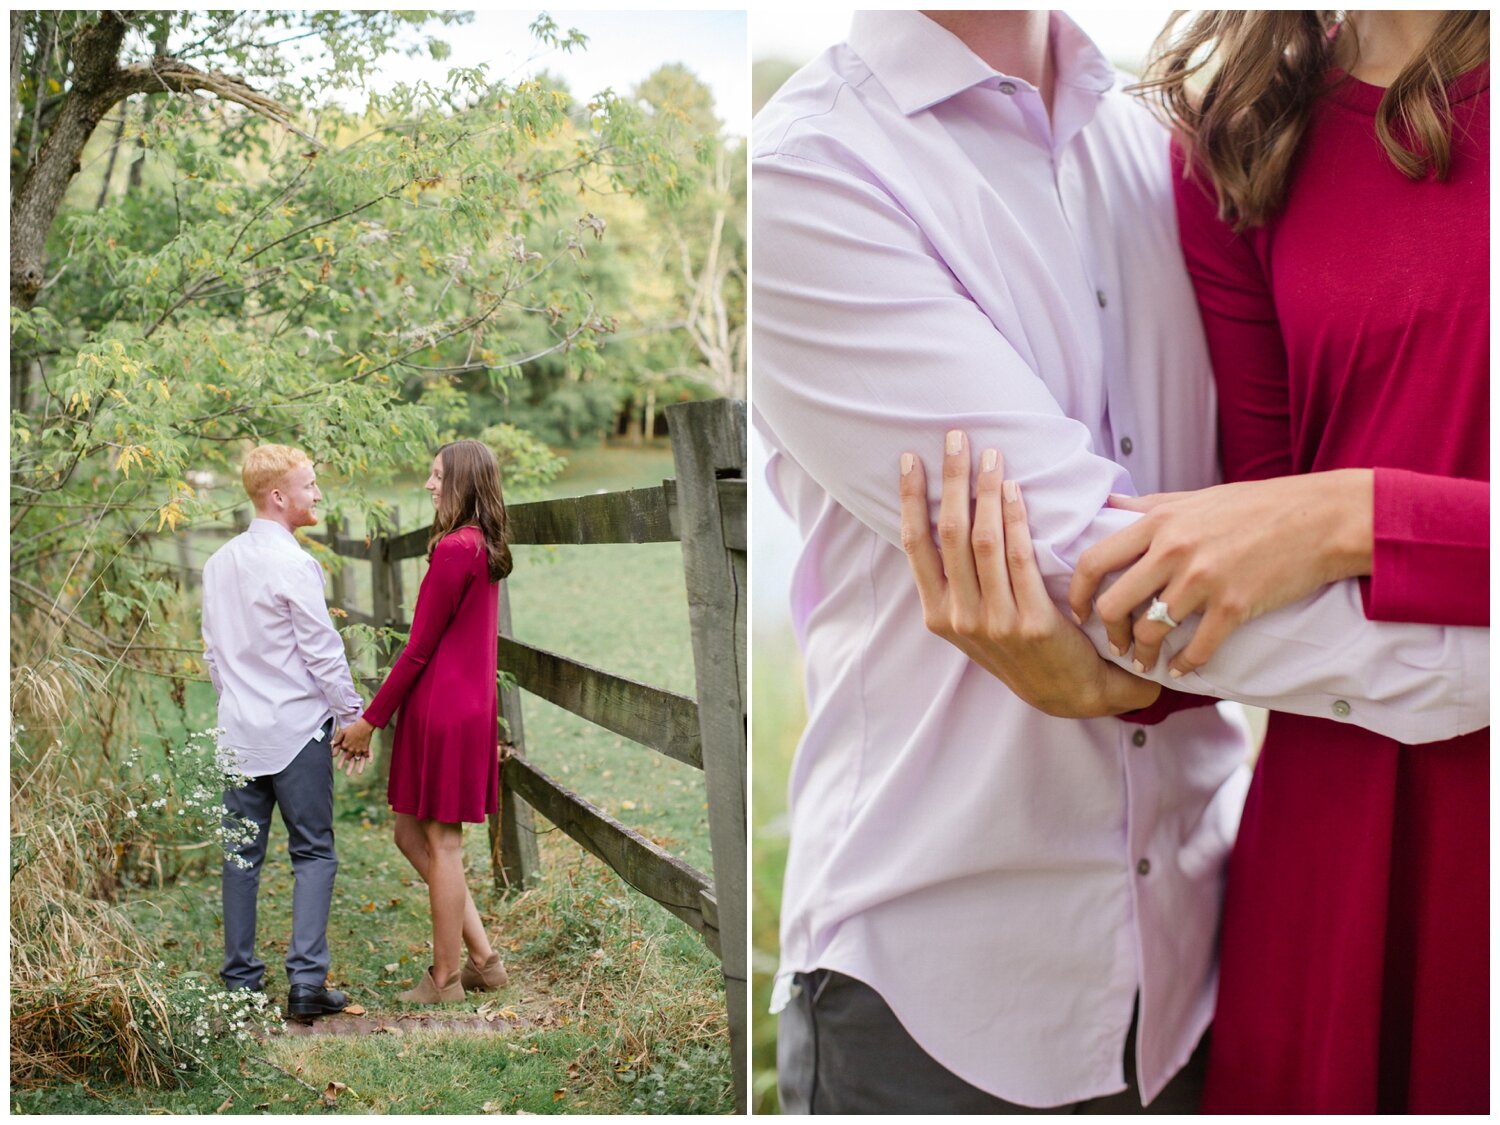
(867, 345)
(210, 659)
(319, 644)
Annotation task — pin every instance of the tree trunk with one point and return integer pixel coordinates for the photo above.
(95, 54)
(17, 41)
(99, 83)
(138, 165)
(114, 152)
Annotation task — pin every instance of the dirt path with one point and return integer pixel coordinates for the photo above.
(526, 1003)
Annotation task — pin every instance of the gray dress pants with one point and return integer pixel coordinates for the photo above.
(840, 1049)
(304, 793)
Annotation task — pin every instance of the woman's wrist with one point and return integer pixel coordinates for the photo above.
(1349, 548)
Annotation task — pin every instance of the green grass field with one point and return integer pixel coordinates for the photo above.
(779, 716)
(614, 1005)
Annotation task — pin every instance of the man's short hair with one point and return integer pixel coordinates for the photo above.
(266, 466)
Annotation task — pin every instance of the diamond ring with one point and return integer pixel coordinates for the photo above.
(1158, 612)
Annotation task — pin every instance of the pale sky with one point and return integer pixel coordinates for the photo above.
(624, 47)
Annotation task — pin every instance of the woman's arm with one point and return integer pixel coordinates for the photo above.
(442, 590)
(1235, 552)
(1428, 525)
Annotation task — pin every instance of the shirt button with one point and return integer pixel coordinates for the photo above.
(1139, 738)
(1102, 299)
(1126, 445)
(1143, 868)
(1006, 87)
(1341, 709)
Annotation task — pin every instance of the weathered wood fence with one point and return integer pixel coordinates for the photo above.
(704, 510)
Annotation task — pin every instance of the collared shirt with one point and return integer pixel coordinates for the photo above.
(932, 251)
(272, 652)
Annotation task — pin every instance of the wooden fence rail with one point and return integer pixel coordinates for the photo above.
(703, 509)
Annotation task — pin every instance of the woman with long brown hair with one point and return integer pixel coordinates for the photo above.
(1335, 220)
(1333, 207)
(443, 759)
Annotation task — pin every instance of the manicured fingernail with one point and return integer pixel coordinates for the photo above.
(987, 461)
(1073, 613)
(955, 443)
(1117, 498)
(1113, 651)
(1011, 490)
(1138, 666)
(908, 463)
(1175, 673)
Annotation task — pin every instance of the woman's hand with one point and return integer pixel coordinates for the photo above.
(1231, 553)
(984, 594)
(352, 743)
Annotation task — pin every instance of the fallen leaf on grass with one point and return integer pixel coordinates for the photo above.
(330, 1096)
(354, 1010)
(393, 967)
(225, 1104)
(559, 1095)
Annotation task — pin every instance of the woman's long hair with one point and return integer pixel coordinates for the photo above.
(1264, 70)
(471, 497)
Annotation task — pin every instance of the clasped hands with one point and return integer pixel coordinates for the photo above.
(1230, 553)
(351, 744)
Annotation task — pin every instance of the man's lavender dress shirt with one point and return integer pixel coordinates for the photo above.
(932, 251)
(274, 657)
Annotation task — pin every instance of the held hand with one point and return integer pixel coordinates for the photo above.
(353, 744)
(1231, 553)
(982, 592)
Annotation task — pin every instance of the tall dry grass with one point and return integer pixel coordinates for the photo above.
(81, 1005)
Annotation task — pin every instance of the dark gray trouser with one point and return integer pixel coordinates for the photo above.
(840, 1049)
(304, 793)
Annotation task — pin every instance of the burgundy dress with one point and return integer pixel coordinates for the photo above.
(444, 762)
(1353, 331)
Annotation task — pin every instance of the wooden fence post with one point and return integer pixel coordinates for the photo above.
(385, 593)
(187, 577)
(708, 446)
(338, 578)
(514, 859)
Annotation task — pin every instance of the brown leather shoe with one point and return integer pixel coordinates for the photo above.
(488, 977)
(428, 992)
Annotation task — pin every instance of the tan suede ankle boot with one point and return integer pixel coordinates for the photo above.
(428, 992)
(483, 978)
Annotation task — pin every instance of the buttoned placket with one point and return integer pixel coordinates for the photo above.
(1060, 133)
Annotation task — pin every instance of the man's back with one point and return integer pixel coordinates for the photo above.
(276, 661)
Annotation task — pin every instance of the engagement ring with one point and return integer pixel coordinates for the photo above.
(1158, 612)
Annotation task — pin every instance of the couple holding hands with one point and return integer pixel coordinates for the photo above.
(288, 707)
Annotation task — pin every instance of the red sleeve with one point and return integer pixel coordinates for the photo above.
(1244, 337)
(1432, 550)
(1169, 702)
(442, 590)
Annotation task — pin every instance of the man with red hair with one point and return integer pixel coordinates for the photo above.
(283, 681)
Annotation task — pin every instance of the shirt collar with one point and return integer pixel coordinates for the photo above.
(921, 64)
(259, 526)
